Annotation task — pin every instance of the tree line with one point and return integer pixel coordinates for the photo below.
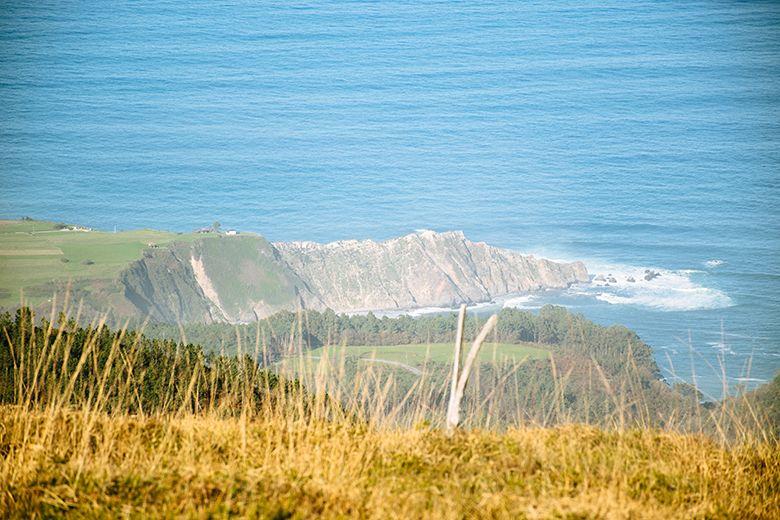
(288, 332)
(63, 363)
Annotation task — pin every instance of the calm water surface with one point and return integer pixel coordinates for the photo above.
(634, 135)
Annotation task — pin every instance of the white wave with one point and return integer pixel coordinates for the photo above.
(715, 262)
(719, 345)
(480, 305)
(655, 288)
(519, 302)
(416, 312)
(426, 310)
(379, 313)
(749, 379)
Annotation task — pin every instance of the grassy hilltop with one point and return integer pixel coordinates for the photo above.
(279, 465)
(419, 354)
(35, 253)
(101, 424)
(143, 273)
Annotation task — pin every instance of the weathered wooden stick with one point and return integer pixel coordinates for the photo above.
(452, 405)
(453, 409)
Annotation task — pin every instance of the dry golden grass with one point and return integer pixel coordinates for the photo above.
(279, 465)
(298, 454)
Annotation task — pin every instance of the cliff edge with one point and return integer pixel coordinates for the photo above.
(242, 278)
(421, 269)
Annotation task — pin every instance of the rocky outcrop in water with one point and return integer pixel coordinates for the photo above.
(420, 270)
(237, 279)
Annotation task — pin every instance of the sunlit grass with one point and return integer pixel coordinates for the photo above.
(273, 464)
(321, 451)
(35, 253)
(420, 354)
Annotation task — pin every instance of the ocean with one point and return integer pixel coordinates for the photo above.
(631, 135)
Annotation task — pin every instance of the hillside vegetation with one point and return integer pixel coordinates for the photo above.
(217, 277)
(277, 465)
(599, 374)
(39, 256)
(418, 355)
(101, 423)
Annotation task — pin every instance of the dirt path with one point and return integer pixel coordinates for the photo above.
(414, 370)
(30, 252)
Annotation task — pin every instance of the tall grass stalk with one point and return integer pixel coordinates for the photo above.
(234, 438)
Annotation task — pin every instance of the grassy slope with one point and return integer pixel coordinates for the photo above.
(241, 447)
(32, 253)
(232, 266)
(417, 355)
(279, 466)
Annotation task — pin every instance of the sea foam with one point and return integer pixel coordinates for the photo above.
(668, 290)
(520, 302)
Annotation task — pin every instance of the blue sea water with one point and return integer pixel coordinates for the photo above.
(630, 134)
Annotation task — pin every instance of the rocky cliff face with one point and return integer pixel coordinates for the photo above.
(238, 279)
(419, 270)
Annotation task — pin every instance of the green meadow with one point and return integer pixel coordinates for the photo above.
(35, 253)
(416, 356)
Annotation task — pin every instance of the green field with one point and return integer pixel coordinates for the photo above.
(244, 269)
(35, 253)
(441, 353)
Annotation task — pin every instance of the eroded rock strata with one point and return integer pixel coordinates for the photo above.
(242, 278)
(419, 270)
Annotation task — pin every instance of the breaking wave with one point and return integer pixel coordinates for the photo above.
(525, 301)
(662, 289)
(654, 288)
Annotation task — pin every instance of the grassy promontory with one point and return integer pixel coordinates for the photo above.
(34, 254)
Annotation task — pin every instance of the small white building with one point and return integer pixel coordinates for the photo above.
(231, 232)
(82, 229)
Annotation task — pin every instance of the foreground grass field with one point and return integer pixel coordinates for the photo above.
(282, 465)
(96, 428)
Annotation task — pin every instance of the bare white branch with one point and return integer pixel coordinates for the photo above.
(457, 391)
